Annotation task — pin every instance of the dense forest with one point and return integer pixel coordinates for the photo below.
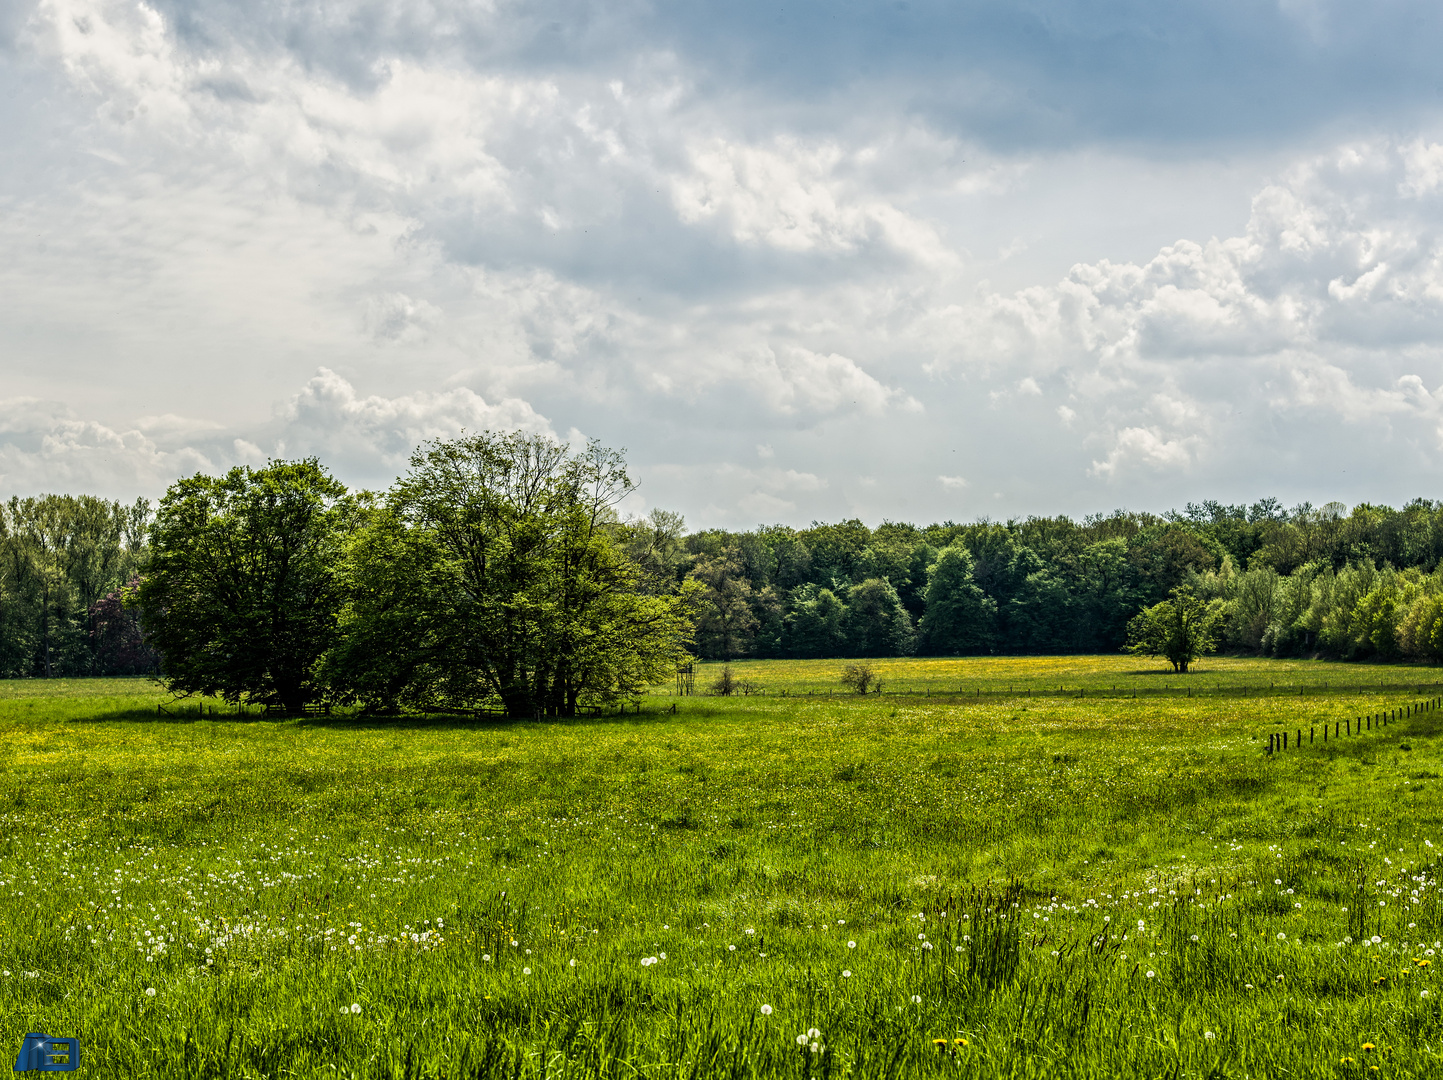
(1302, 581)
(1310, 580)
(65, 564)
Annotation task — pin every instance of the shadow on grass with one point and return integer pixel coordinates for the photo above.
(374, 722)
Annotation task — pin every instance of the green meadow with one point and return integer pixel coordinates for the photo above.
(974, 873)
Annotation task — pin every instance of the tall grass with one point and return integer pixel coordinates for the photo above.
(1070, 887)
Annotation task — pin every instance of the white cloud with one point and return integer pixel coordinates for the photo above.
(952, 483)
(1146, 448)
(396, 317)
(201, 219)
(328, 417)
(790, 196)
(796, 379)
(45, 446)
(1329, 306)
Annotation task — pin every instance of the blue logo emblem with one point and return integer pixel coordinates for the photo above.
(38, 1053)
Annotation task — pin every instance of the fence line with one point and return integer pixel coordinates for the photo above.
(1278, 741)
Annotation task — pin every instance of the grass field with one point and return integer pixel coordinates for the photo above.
(1055, 885)
(1115, 675)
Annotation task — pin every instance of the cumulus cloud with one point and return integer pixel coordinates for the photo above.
(797, 379)
(1329, 308)
(789, 196)
(45, 447)
(450, 216)
(366, 440)
(377, 433)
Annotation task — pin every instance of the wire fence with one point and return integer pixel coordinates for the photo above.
(1348, 727)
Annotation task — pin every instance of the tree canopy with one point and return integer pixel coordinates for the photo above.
(1180, 629)
(420, 570)
(62, 559)
(495, 572)
(240, 593)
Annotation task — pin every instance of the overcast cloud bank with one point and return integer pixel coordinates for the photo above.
(830, 285)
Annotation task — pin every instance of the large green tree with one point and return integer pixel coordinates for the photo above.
(959, 617)
(876, 623)
(1180, 628)
(495, 573)
(813, 627)
(726, 621)
(240, 594)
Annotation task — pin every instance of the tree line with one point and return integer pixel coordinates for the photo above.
(1300, 581)
(66, 563)
(499, 572)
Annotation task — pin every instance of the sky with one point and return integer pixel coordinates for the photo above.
(910, 261)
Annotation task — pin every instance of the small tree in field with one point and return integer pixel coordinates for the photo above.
(1181, 629)
(726, 683)
(860, 678)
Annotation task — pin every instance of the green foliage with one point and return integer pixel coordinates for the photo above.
(814, 625)
(61, 556)
(240, 594)
(495, 573)
(1306, 581)
(959, 616)
(725, 620)
(860, 678)
(876, 623)
(1180, 629)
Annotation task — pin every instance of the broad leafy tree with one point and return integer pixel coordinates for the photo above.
(726, 622)
(959, 617)
(240, 594)
(495, 574)
(876, 623)
(1180, 629)
(813, 627)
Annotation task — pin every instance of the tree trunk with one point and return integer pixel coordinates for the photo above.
(293, 697)
(45, 628)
